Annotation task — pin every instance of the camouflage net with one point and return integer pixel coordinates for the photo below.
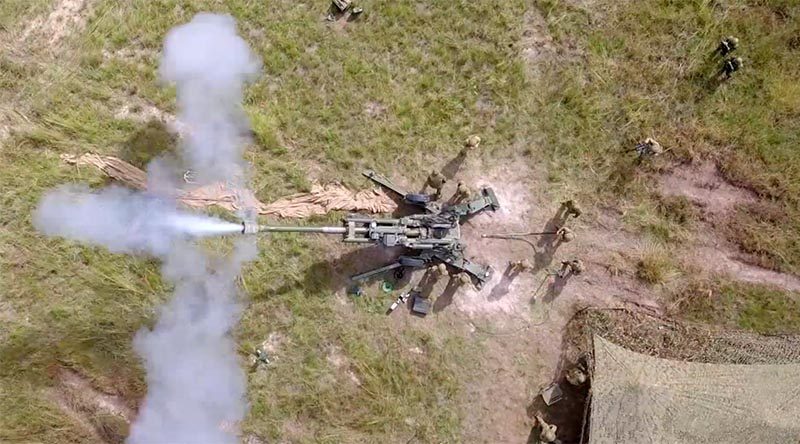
(320, 200)
(662, 337)
(661, 381)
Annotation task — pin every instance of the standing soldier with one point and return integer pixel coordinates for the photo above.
(521, 266)
(471, 144)
(565, 234)
(574, 267)
(464, 278)
(440, 271)
(462, 193)
(648, 148)
(731, 65)
(436, 180)
(547, 432)
(571, 208)
(727, 45)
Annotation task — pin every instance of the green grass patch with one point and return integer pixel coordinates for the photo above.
(752, 307)
(646, 68)
(397, 90)
(656, 265)
(770, 232)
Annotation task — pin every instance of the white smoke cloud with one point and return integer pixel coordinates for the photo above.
(209, 65)
(122, 220)
(196, 391)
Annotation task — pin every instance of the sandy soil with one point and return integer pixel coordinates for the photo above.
(80, 400)
(66, 17)
(520, 318)
(704, 186)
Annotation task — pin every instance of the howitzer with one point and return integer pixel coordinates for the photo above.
(435, 238)
(431, 238)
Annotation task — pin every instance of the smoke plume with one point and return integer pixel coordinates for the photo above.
(122, 220)
(209, 64)
(196, 390)
(195, 386)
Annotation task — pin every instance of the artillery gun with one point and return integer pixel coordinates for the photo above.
(431, 237)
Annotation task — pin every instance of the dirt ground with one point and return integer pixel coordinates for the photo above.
(519, 319)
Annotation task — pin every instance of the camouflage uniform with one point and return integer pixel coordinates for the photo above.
(571, 267)
(521, 266)
(575, 376)
(564, 234)
(462, 192)
(547, 431)
(649, 148)
(471, 143)
(727, 45)
(731, 65)
(436, 181)
(571, 208)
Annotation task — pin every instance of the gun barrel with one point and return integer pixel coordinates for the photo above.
(253, 228)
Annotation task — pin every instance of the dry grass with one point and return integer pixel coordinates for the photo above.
(428, 69)
(647, 70)
(396, 90)
(656, 265)
(738, 305)
(770, 232)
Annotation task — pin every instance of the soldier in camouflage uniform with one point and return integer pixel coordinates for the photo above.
(565, 234)
(727, 45)
(575, 376)
(521, 266)
(440, 271)
(648, 148)
(436, 180)
(464, 278)
(573, 267)
(547, 432)
(462, 193)
(471, 144)
(571, 208)
(731, 65)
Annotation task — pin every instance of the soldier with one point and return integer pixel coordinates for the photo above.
(440, 271)
(571, 208)
(731, 65)
(436, 181)
(521, 266)
(471, 143)
(648, 148)
(464, 278)
(462, 193)
(547, 432)
(260, 357)
(576, 376)
(727, 45)
(574, 266)
(564, 234)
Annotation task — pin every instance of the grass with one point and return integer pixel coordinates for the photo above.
(656, 265)
(79, 306)
(643, 69)
(739, 305)
(434, 73)
(770, 232)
